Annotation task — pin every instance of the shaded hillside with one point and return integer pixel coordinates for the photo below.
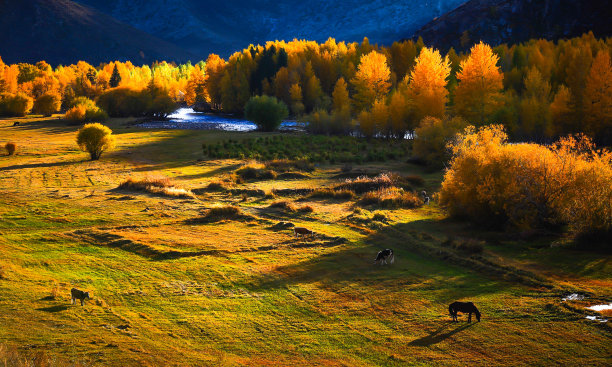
(61, 31)
(204, 26)
(511, 21)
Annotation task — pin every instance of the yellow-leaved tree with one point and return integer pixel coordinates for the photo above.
(480, 83)
(427, 84)
(372, 80)
(598, 98)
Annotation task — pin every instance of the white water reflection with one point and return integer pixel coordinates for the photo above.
(600, 308)
(187, 118)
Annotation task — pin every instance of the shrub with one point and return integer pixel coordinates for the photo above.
(10, 148)
(432, 136)
(15, 104)
(364, 184)
(156, 185)
(255, 171)
(336, 123)
(85, 110)
(266, 112)
(47, 104)
(95, 139)
(529, 185)
(391, 197)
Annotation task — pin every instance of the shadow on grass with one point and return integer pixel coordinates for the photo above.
(39, 165)
(438, 335)
(53, 309)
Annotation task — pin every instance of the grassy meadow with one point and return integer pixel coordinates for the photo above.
(171, 290)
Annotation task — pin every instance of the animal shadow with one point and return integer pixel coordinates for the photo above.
(437, 336)
(57, 308)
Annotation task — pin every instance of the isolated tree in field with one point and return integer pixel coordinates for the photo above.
(480, 83)
(427, 84)
(10, 148)
(266, 112)
(598, 97)
(95, 139)
(115, 78)
(372, 80)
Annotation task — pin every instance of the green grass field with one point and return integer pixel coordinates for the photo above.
(168, 291)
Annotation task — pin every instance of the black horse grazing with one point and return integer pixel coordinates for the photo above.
(465, 307)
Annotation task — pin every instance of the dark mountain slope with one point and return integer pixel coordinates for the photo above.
(62, 31)
(204, 26)
(512, 21)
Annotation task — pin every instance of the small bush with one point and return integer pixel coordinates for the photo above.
(266, 112)
(47, 104)
(10, 148)
(15, 104)
(391, 197)
(95, 139)
(156, 185)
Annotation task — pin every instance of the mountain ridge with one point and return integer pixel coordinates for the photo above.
(64, 32)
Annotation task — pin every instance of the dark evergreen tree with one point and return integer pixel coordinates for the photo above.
(115, 78)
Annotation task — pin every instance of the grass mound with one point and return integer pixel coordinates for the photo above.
(468, 246)
(156, 185)
(391, 197)
(289, 207)
(218, 214)
(365, 184)
(254, 172)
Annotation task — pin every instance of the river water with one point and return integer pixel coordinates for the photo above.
(187, 118)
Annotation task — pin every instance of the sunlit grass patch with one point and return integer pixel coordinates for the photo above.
(156, 185)
(220, 213)
(391, 197)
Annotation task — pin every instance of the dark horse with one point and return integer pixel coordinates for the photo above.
(465, 307)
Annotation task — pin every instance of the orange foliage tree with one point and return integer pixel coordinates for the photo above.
(427, 84)
(372, 80)
(480, 83)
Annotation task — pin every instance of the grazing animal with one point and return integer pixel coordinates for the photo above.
(465, 307)
(302, 231)
(383, 255)
(425, 197)
(77, 294)
(16, 123)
